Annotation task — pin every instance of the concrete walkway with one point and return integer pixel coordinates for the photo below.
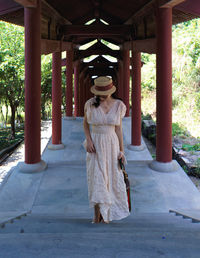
(65, 178)
(60, 192)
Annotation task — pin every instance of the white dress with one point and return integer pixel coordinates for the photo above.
(106, 185)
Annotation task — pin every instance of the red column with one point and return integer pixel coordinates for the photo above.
(136, 99)
(76, 88)
(164, 85)
(85, 90)
(126, 78)
(121, 80)
(79, 98)
(89, 86)
(32, 83)
(82, 96)
(56, 98)
(69, 82)
(118, 83)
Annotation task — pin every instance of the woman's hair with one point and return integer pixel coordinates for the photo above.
(97, 99)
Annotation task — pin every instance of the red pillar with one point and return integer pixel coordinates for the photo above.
(136, 99)
(32, 22)
(85, 90)
(56, 98)
(82, 96)
(118, 82)
(89, 86)
(164, 85)
(76, 89)
(121, 79)
(126, 78)
(79, 98)
(69, 82)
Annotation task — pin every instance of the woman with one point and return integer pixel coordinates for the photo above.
(104, 146)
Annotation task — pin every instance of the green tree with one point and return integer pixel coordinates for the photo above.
(185, 79)
(12, 68)
(46, 83)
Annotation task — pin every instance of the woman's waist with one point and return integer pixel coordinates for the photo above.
(103, 129)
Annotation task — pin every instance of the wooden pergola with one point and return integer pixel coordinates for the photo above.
(53, 26)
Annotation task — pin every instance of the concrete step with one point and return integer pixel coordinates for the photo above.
(194, 215)
(36, 223)
(99, 245)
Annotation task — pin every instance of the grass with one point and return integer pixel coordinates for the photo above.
(188, 147)
(5, 137)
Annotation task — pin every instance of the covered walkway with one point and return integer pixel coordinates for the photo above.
(55, 198)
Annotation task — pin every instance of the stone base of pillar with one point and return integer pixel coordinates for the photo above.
(32, 168)
(69, 117)
(164, 166)
(56, 146)
(136, 147)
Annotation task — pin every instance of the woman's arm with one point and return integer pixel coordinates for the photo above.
(89, 143)
(118, 130)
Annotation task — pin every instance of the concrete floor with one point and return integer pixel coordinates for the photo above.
(62, 187)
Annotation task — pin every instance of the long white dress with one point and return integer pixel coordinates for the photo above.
(106, 185)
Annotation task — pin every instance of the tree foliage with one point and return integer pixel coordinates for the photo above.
(12, 72)
(12, 68)
(46, 83)
(185, 80)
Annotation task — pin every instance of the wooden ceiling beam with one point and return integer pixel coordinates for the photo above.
(149, 9)
(100, 66)
(110, 19)
(96, 30)
(80, 54)
(51, 46)
(84, 18)
(93, 72)
(170, 3)
(101, 60)
(81, 41)
(145, 46)
(27, 3)
(50, 12)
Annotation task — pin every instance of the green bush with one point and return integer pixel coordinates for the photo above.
(188, 147)
(178, 130)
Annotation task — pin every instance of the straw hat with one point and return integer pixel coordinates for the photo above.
(103, 85)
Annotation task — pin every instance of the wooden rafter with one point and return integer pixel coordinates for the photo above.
(101, 72)
(100, 66)
(96, 30)
(86, 53)
(85, 18)
(48, 10)
(51, 46)
(170, 3)
(145, 46)
(150, 7)
(101, 60)
(27, 3)
(110, 18)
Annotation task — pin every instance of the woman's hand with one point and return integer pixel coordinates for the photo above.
(121, 156)
(90, 146)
